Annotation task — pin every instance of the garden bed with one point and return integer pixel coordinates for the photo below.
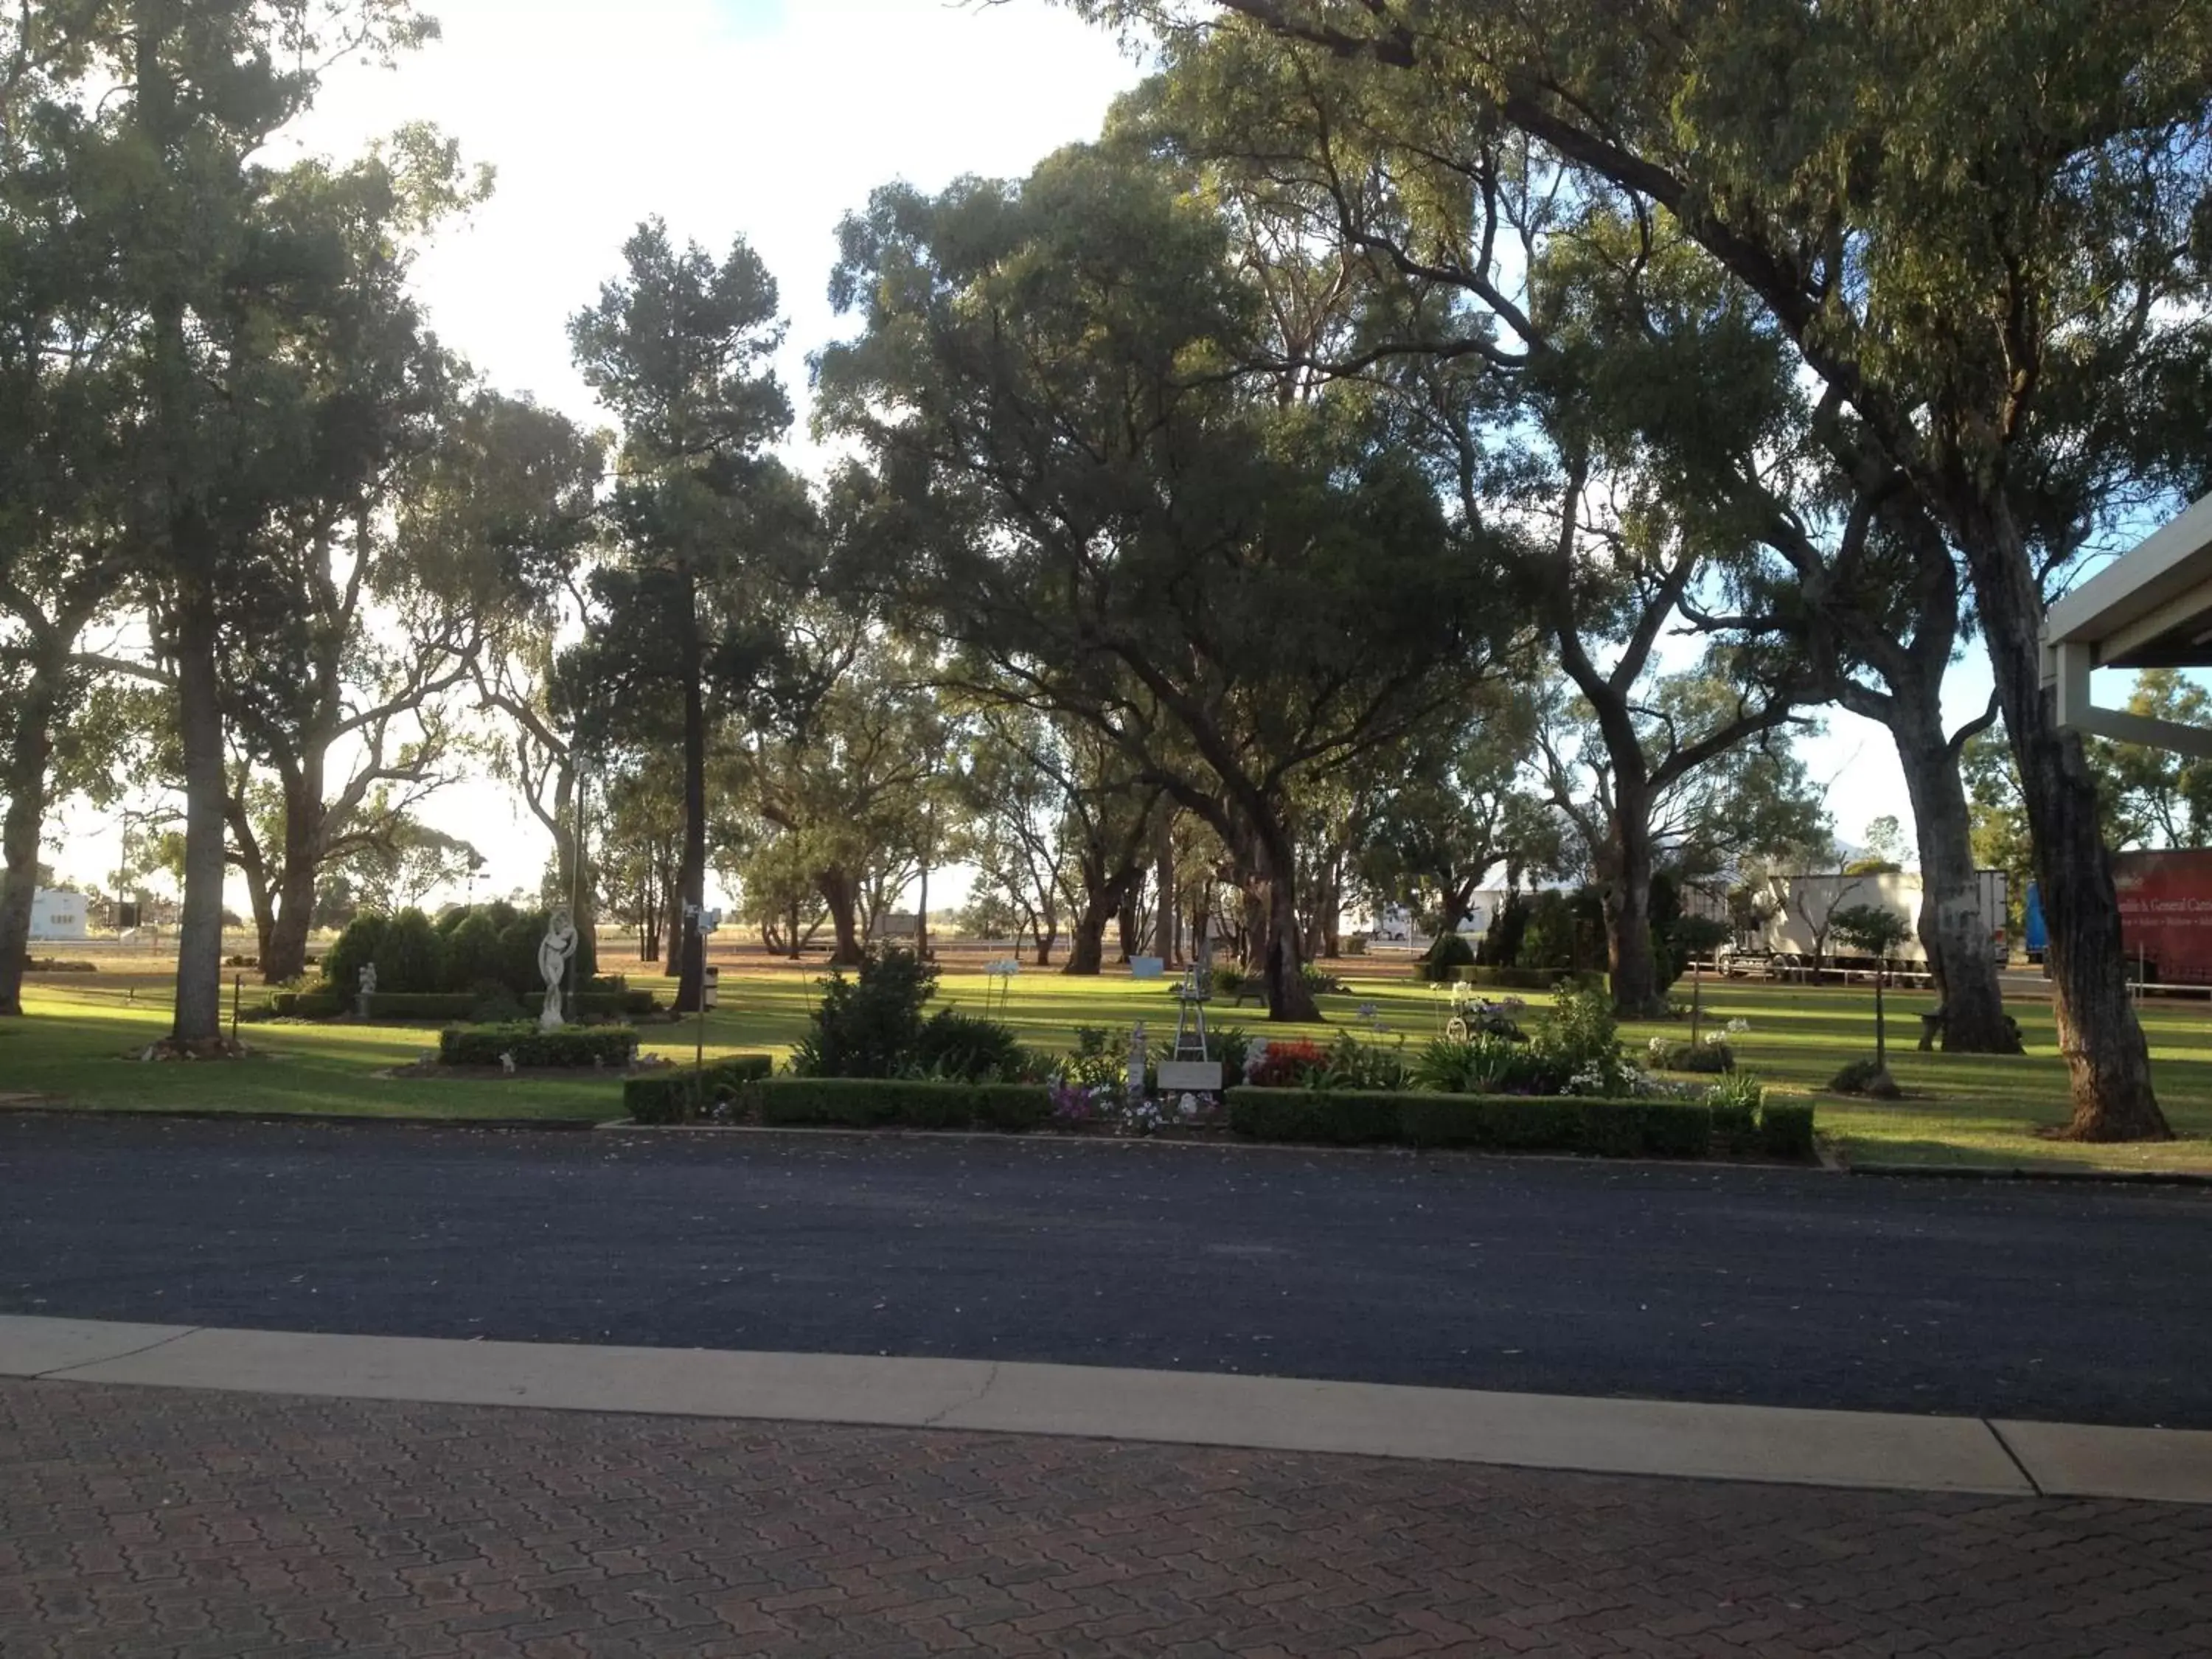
(744, 1095)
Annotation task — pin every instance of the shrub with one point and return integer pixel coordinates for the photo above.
(1287, 1064)
(495, 1005)
(1865, 1077)
(868, 1102)
(1231, 982)
(412, 957)
(1736, 1103)
(473, 957)
(1487, 1064)
(685, 1095)
(1231, 1045)
(321, 1003)
(1099, 1059)
(963, 1048)
(1611, 1128)
(604, 1005)
(1350, 1064)
(354, 950)
(869, 1026)
(1712, 1056)
(1491, 1122)
(1607, 1128)
(577, 1046)
(1327, 1117)
(1319, 982)
(1677, 1129)
(1449, 950)
(422, 1005)
(1785, 1129)
(1579, 1032)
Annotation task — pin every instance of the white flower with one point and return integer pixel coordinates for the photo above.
(1739, 1026)
(1657, 1047)
(1718, 1039)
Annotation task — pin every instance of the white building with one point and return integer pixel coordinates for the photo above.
(56, 916)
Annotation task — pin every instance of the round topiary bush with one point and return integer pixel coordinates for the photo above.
(1450, 951)
(473, 955)
(355, 950)
(412, 955)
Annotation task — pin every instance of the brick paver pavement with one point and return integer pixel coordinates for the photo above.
(142, 1521)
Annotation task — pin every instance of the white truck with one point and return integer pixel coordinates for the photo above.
(1799, 912)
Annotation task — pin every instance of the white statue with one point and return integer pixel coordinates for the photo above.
(367, 987)
(555, 952)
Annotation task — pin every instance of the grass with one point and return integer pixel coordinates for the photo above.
(1972, 1109)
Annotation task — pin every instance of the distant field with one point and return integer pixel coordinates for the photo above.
(74, 1045)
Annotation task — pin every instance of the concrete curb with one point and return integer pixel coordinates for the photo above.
(2034, 1172)
(1595, 1435)
(350, 1120)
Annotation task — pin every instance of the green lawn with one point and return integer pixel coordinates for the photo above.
(74, 1046)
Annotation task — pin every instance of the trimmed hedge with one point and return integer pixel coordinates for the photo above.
(579, 1046)
(1607, 1128)
(681, 1097)
(305, 1005)
(611, 1004)
(873, 1101)
(1512, 979)
(1786, 1130)
(422, 1005)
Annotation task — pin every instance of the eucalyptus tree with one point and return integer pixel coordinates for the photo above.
(66, 385)
(710, 527)
(235, 294)
(1075, 472)
(1456, 806)
(845, 779)
(1991, 287)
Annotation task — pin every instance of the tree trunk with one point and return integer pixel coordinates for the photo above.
(199, 1017)
(1635, 990)
(1129, 926)
(1166, 946)
(691, 875)
(284, 946)
(1288, 999)
(841, 896)
(1086, 945)
(30, 749)
(2108, 1059)
(1961, 955)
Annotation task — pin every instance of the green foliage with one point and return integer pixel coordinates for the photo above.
(572, 1046)
(686, 1096)
(1867, 1076)
(1449, 950)
(410, 956)
(1323, 1116)
(883, 1103)
(953, 1046)
(1735, 1101)
(308, 1005)
(402, 1006)
(1487, 1064)
(1708, 1056)
(1319, 982)
(869, 1025)
(1609, 1128)
(353, 950)
(1548, 940)
(1874, 928)
(1785, 1130)
(1349, 1065)
(1580, 1030)
(473, 954)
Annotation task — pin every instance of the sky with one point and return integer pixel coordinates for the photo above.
(768, 118)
